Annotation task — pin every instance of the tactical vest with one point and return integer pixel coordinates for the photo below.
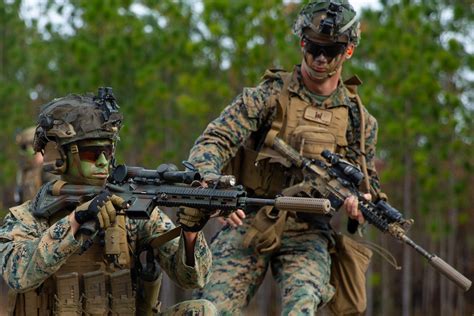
(94, 281)
(308, 128)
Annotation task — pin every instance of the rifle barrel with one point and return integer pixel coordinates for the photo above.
(439, 264)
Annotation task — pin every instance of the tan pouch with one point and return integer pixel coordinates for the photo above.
(68, 296)
(264, 235)
(148, 294)
(96, 302)
(350, 260)
(310, 141)
(122, 294)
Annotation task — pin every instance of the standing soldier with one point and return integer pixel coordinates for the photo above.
(312, 109)
(55, 267)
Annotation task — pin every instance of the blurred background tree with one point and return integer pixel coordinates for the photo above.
(174, 65)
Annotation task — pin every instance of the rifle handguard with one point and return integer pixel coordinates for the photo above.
(301, 204)
(451, 273)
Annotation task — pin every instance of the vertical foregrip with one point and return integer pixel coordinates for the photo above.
(301, 204)
(451, 273)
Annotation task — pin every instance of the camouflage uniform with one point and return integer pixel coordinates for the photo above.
(301, 266)
(32, 250)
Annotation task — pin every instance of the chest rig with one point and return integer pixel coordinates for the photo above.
(309, 128)
(96, 280)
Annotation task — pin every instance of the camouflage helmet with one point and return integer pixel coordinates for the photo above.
(333, 20)
(76, 117)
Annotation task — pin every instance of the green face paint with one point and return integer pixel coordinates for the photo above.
(91, 165)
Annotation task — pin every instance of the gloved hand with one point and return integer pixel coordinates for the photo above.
(191, 219)
(102, 207)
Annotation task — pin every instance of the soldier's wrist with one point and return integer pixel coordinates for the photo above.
(73, 222)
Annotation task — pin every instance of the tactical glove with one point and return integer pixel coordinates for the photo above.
(191, 219)
(103, 207)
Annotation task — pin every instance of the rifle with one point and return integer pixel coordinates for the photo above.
(336, 179)
(144, 189)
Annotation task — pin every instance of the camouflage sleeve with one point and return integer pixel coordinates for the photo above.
(371, 130)
(30, 252)
(172, 255)
(222, 138)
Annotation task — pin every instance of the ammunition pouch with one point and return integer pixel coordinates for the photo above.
(68, 299)
(122, 295)
(95, 293)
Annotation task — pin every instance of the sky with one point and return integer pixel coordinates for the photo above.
(358, 4)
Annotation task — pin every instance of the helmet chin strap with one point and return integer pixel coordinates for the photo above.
(329, 73)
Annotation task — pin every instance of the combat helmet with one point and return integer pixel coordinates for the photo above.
(335, 20)
(65, 121)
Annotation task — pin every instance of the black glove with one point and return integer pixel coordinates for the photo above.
(103, 207)
(191, 219)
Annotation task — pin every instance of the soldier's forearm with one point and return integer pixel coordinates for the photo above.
(189, 243)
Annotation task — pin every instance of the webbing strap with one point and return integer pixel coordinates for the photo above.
(351, 85)
(281, 106)
(55, 190)
(162, 239)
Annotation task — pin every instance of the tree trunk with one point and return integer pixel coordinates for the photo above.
(451, 251)
(407, 269)
(370, 293)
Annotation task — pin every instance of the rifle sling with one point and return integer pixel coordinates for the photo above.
(162, 239)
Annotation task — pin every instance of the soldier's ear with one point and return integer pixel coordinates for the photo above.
(350, 51)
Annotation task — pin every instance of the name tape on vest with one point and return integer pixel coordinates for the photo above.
(318, 115)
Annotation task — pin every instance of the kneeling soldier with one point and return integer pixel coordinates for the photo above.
(55, 266)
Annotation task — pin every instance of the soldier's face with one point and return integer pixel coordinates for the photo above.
(322, 56)
(95, 156)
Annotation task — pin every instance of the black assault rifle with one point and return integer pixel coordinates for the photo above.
(144, 189)
(336, 179)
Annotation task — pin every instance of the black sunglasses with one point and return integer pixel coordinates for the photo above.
(328, 50)
(92, 153)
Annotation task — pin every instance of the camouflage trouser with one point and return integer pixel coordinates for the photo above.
(191, 308)
(301, 267)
